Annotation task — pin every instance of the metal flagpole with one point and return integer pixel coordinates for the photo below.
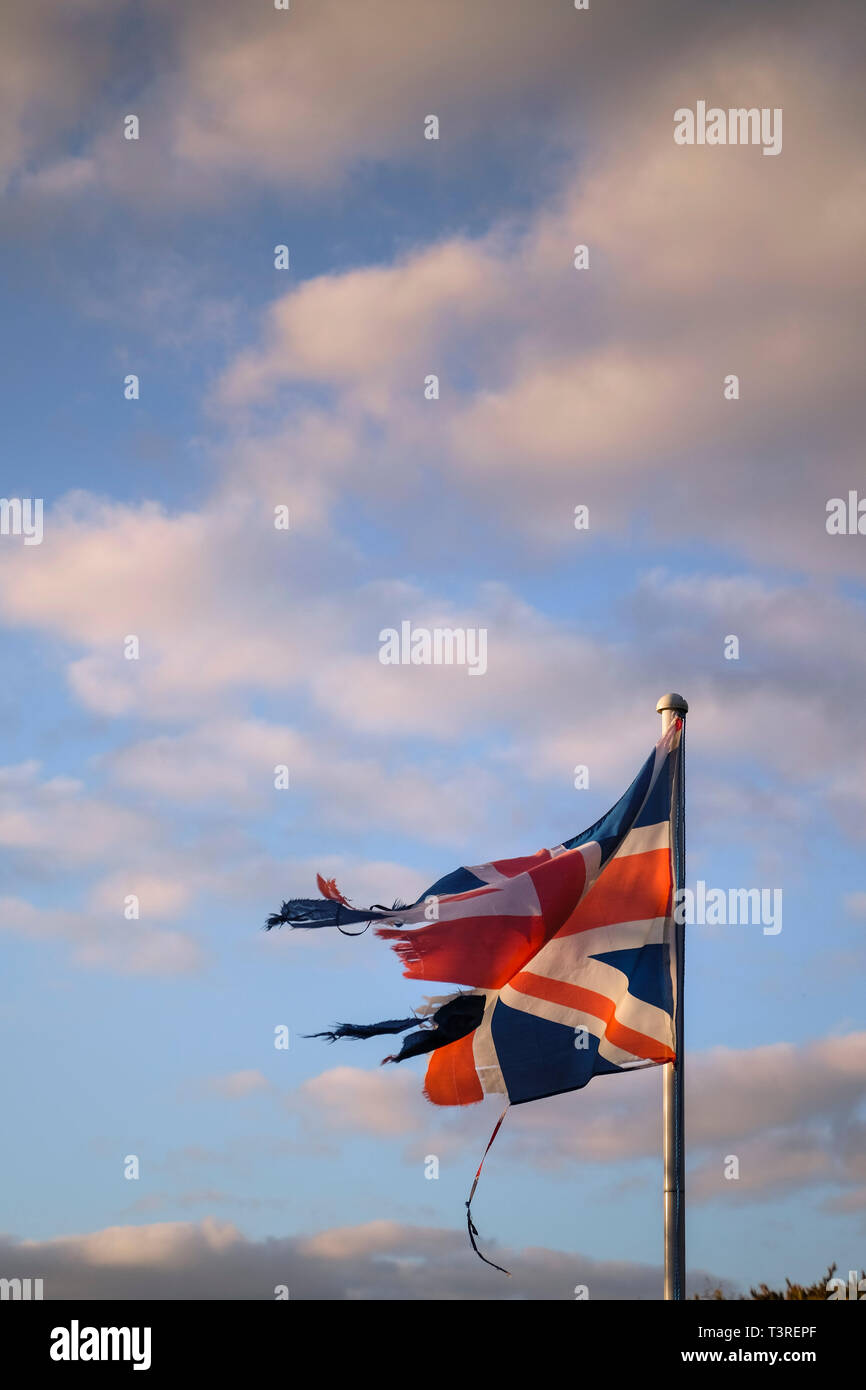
(671, 707)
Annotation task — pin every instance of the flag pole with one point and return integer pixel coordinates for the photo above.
(671, 707)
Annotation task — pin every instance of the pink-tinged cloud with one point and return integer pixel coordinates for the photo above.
(783, 1110)
(236, 1085)
(379, 1260)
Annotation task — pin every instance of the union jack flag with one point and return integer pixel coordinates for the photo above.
(568, 954)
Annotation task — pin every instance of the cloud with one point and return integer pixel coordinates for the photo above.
(767, 1167)
(231, 98)
(66, 176)
(237, 634)
(248, 85)
(237, 1084)
(52, 62)
(559, 386)
(234, 763)
(158, 896)
(369, 1102)
(230, 760)
(393, 319)
(789, 1113)
(56, 816)
(306, 98)
(104, 851)
(106, 943)
(55, 829)
(605, 376)
(380, 1260)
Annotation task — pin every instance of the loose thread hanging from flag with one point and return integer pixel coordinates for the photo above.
(469, 1222)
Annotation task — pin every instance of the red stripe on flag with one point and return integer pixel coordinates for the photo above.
(510, 868)
(589, 1001)
(634, 888)
(559, 884)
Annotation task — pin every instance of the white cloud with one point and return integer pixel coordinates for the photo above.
(603, 387)
(55, 819)
(784, 1109)
(106, 943)
(237, 1084)
(379, 1260)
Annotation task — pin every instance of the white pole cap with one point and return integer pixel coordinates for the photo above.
(672, 701)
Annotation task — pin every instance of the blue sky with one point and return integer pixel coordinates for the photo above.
(259, 647)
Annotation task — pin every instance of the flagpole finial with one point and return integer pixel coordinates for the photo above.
(672, 701)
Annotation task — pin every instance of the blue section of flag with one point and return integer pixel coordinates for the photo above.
(658, 803)
(608, 831)
(459, 881)
(539, 1058)
(648, 973)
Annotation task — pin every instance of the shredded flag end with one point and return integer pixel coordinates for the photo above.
(408, 946)
(318, 912)
(366, 1030)
(305, 912)
(328, 889)
(331, 910)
